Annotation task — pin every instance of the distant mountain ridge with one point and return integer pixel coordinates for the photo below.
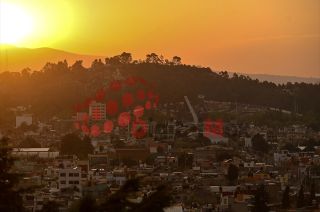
(279, 79)
(16, 59)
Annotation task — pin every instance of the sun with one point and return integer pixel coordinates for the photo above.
(16, 24)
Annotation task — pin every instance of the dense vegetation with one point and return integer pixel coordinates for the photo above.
(9, 196)
(54, 90)
(71, 144)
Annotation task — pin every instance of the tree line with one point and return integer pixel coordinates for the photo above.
(57, 86)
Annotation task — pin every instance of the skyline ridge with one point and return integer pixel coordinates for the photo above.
(88, 58)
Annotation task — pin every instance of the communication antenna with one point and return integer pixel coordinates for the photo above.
(193, 113)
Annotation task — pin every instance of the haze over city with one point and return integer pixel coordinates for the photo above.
(159, 105)
(261, 37)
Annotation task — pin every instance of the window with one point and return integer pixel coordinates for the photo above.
(70, 182)
(62, 174)
(76, 174)
(62, 182)
(70, 174)
(76, 182)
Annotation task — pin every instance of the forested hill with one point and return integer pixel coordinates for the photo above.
(56, 88)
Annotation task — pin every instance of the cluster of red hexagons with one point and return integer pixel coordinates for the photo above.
(141, 97)
(213, 127)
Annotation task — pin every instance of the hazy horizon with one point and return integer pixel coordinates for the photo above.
(91, 57)
(255, 37)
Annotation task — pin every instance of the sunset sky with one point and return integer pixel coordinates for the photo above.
(249, 36)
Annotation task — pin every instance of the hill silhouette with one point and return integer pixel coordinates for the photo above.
(58, 87)
(281, 79)
(16, 59)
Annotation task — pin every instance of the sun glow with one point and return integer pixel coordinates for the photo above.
(35, 23)
(16, 24)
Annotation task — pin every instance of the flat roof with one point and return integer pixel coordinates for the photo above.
(30, 149)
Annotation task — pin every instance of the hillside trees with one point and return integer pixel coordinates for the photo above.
(10, 199)
(54, 90)
(260, 144)
(71, 144)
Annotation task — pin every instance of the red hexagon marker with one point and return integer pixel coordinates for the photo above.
(95, 130)
(85, 129)
(124, 119)
(139, 129)
(85, 118)
(141, 94)
(130, 81)
(115, 85)
(213, 127)
(150, 95)
(100, 94)
(112, 107)
(108, 126)
(138, 112)
(127, 99)
(148, 105)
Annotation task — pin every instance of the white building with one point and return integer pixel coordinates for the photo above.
(248, 142)
(70, 178)
(97, 111)
(39, 152)
(26, 118)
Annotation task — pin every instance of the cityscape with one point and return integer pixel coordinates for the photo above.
(145, 132)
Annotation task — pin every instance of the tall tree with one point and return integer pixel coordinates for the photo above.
(286, 198)
(233, 173)
(87, 203)
(77, 66)
(118, 201)
(153, 58)
(10, 200)
(97, 65)
(125, 58)
(176, 60)
(312, 193)
(156, 202)
(50, 206)
(300, 200)
(260, 144)
(260, 200)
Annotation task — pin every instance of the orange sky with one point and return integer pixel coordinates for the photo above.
(250, 36)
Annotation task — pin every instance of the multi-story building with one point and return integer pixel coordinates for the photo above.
(171, 130)
(97, 111)
(70, 178)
